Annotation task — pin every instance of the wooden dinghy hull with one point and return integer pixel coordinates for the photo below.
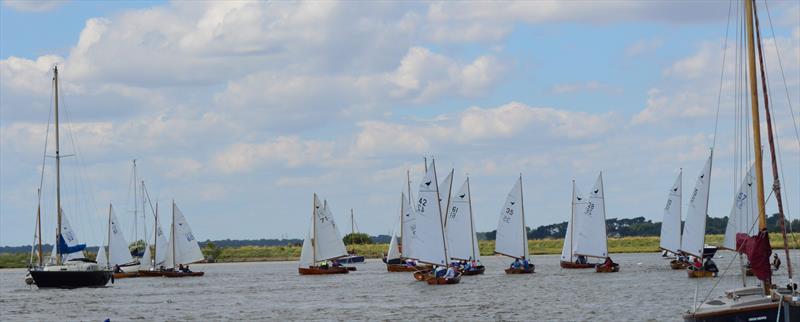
(676, 264)
(474, 271)
(322, 271)
(699, 273)
(151, 273)
(422, 275)
(576, 265)
(182, 274)
(606, 269)
(444, 281)
(126, 275)
(400, 268)
(528, 270)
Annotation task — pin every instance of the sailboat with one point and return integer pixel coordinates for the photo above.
(351, 257)
(694, 230)
(152, 265)
(460, 229)
(766, 302)
(568, 257)
(115, 254)
(65, 272)
(427, 234)
(322, 244)
(399, 247)
(670, 240)
(591, 239)
(182, 248)
(512, 236)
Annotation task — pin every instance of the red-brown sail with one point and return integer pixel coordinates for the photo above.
(758, 251)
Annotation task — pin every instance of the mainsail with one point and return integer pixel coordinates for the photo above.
(590, 224)
(578, 202)
(694, 231)
(744, 212)
(459, 226)
(118, 252)
(69, 243)
(327, 241)
(427, 231)
(671, 224)
(511, 239)
(408, 227)
(182, 247)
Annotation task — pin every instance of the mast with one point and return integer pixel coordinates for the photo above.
(571, 223)
(605, 232)
(172, 233)
(471, 222)
(447, 205)
(108, 244)
(58, 170)
(751, 67)
(135, 206)
(314, 229)
(39, 226)
(144, 218)
(776, 184)
(408, 184)
(524, 231)
(352, 222)
(402, 210)
(155, 236)
(441, 222)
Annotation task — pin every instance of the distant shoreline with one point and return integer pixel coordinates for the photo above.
(292, 253)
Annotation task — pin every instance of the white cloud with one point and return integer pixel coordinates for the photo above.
(588, 86)
(291, 151)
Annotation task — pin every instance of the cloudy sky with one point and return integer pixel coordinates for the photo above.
(239, 111)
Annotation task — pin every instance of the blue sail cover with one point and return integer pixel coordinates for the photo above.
(63, 248)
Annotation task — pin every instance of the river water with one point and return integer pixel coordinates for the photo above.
(645, 289)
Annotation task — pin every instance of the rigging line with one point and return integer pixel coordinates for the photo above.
(780, 64)
(722, 74)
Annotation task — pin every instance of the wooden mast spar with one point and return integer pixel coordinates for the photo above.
(58, 170)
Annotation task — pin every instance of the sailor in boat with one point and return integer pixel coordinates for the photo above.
(609, 263)
(117, 269)
(516, 264)
(185, 268)
(581, 259)
(776, 262)
(696, 265)
(451, 273)
(439, 271)
(525, 263)
(323, 265)
(710, 266)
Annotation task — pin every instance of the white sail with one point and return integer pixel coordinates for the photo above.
(394, 249)
(744, 212)
(458, 226)
(327, 240)
(589, 236)
(427, 230)
(578, 202)
(182, 247)
(444, 194)
(671, 223)
(694, 230)
(146, 262)
(102, 258)
(511, 239)
(118, 252)
(70, 238)
(161, 246)
(307, 252)
(408, 226)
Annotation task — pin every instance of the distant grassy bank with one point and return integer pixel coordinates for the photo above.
(537, 247)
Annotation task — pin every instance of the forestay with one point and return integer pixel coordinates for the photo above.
(578, 202)
(590, 224)
(182, 247)
(671, 223)
(427, 232)
(328, 242)
(459, 226)
(511, 239)
(694, 230)
(744, 212)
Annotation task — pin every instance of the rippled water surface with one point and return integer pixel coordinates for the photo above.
(645, 289)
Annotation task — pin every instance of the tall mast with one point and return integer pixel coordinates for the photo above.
(776, 184)
(524, 231)
(402, 210)
(314, 230)
(571, 221)
(441, 222)
(155, 236)
(408, 184)
(135, 206)
(352, 222)
(39, 226)
(58, 170)
(108, 243)
(751, 66)
(603, 189)
(144, 218)
(172, 233)
(471, 222)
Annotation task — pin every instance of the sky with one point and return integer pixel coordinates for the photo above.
(239, 111)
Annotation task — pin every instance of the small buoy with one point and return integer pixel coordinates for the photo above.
(640, 264)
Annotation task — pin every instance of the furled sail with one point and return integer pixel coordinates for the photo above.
(511, 239)
(671, 224)
(694, 230)
(590, 224)
(744, 212)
